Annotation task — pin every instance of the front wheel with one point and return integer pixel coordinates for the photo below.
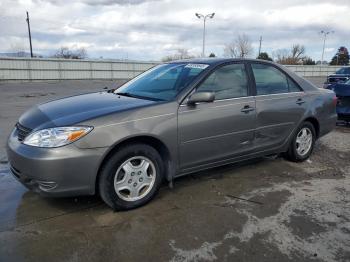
(131, 177)
(302, 143)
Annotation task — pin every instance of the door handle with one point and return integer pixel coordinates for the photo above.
(247, 109)
(300, 101)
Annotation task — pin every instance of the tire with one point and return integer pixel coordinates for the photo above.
(131, 177)
(295, 152)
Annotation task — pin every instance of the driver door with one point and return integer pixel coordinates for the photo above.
(223, 129)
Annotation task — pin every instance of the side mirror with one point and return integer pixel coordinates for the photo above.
(201, 97)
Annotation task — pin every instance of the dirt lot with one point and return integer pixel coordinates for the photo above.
(262, 210)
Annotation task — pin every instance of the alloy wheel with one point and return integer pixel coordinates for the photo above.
(135, 178)
(304, 141)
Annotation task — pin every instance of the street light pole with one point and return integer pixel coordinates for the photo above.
(30, 36)
(203, 46)
(324, 33)
(200, 16)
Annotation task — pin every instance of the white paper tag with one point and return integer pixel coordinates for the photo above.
(197, 66)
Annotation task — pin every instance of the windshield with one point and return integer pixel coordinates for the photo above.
(344, 70)
(162, 82)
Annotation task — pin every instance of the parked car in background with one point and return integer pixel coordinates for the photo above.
(341, 76)
(175, 119)
(342, 90)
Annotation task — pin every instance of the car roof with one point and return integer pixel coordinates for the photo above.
(215, 61)
(306, 85)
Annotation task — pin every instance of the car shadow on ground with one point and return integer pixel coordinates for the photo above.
(32, 208)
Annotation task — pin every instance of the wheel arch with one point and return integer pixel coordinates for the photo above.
(156, 143)
(315, 123)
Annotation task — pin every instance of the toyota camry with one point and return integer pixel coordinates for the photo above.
(174, 119)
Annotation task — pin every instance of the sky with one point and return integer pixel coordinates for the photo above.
(150, 30)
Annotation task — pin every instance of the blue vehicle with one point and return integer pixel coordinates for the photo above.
(342, 75)
(342, 90)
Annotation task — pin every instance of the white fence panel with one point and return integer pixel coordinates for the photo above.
(30, 69)
(313, 70)
(33, 69)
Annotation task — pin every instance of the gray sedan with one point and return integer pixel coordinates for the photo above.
(174, 119)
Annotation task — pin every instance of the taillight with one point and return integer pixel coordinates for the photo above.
(335, 100)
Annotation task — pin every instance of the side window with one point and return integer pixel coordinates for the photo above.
(293, 87)
(269, 80)
(228, 81)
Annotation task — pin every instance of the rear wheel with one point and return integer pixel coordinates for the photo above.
(302, 143)
(131, 177)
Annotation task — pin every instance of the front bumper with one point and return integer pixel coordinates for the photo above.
(63, 171)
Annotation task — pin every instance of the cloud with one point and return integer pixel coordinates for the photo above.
(99, 2)
(145, 30)
(118, 2)
(330, 50)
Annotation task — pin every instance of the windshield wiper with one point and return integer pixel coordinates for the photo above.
(124, 94)
(138, 96)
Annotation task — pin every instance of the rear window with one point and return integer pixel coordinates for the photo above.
(270, 80)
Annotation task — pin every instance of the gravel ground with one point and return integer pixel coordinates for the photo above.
(262, 210)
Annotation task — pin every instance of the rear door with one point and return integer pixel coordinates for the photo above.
(280, 105)
(210, 132)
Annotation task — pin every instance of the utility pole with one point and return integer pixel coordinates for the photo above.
(30, 36)
(324, 33)
(200, 16)
(260, 45)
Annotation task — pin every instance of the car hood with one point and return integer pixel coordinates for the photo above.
(75, 109)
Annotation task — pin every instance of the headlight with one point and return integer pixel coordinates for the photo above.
(56, 137)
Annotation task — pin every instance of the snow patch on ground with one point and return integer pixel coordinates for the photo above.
(204, 253)
(320, 202)
(337, 141)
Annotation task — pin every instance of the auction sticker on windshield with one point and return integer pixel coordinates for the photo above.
(198, 66)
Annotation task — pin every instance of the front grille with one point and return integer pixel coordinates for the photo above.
(22, 132)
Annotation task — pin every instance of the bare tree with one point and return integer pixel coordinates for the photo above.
(294, 56)
(230, 50)
(280, 55)
(81, 53)
(181, 53)
(65, 52)
(240, 47)
(297, 51)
